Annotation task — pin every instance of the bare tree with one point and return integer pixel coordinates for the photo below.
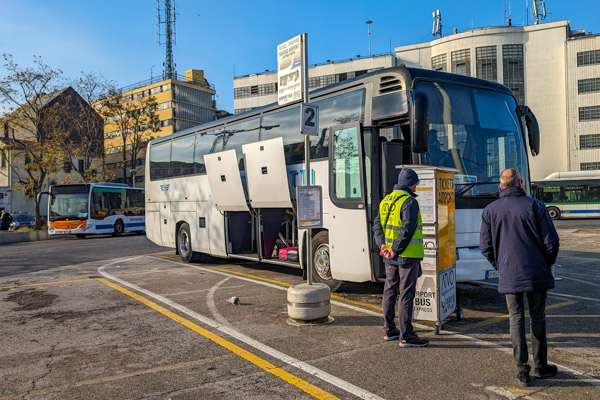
(135, 120)
(91, 88)
(30, 138)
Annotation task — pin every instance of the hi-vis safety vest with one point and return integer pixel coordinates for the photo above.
(391, 229)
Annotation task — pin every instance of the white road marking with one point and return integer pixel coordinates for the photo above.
(570, 296)
(331, 379)
(581, 281)
(576, 374)
(210, 302)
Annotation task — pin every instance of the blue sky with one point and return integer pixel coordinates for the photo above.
(118, 38)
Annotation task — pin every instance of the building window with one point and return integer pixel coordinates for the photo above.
(461, 62)
(80, 165)
(591, 57)
(241, 110)
(3, 160)
(589, 141)
(487, 67)
(320, 81)
(589, 113)
(514, 70)
(438, 63)
(588, 85)
(589, 166)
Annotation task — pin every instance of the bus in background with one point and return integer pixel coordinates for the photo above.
(570, 194)
(227, 188)
(95, 208)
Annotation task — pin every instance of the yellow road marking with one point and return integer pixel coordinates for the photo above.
(233, 272)
(487, 321)
(264, 364)
(43, 284)
(358, 303)
(504, 317)
(113, 378)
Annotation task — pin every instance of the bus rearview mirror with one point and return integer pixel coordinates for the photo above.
(533, 132)
(419, 121)
(533, 129)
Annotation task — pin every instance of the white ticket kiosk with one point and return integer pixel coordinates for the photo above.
(435, 298)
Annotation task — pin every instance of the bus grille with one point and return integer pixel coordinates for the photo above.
(389, 84)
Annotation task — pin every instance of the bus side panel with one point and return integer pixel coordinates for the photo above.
(167, 225)
(153, 223)
(216, 230)
(200, 229)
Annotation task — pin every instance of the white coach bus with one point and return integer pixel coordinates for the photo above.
(226, 188)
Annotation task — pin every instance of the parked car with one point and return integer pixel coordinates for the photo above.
(20, 220)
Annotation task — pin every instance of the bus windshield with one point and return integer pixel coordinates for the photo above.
(69, 203)
(476, 132)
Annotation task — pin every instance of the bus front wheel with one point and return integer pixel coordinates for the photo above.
(119, 228)
(554, 212)
(321, 270)
(184, 243)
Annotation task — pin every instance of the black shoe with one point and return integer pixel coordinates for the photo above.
(524, 378)
(393, 335)
(545, 371)
(414, 341)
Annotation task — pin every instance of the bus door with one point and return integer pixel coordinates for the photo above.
(268, 189)
(389, 150)
(229, 197)
(349, 240)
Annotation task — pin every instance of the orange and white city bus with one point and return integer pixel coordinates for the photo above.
(95, 208)
(227, 188)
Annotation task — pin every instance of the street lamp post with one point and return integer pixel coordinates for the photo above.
(369, 22)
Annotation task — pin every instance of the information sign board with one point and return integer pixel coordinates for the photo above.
(289, 71)
(310, 207)
(309, 119)
(435, 297)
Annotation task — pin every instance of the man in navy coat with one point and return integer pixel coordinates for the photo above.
(520, 241)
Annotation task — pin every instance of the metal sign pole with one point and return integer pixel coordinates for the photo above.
(307, 173)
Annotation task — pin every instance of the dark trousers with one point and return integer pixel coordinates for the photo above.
(400, 284)
(537, 316)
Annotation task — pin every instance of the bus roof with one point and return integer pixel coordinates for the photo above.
(410, 75)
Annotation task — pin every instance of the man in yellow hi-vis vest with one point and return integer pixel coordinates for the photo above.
(399, 235)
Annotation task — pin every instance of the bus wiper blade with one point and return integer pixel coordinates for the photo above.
(470, 185)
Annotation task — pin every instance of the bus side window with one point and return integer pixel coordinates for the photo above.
(99, 209)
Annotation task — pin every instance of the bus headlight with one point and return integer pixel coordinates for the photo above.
(87, 227)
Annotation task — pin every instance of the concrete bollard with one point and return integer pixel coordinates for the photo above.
(309, 302)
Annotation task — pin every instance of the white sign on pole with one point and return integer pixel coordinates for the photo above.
(289, 71)
(309, 119)
(310, 206)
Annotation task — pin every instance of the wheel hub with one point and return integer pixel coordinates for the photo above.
(321, 262)
(183, 243)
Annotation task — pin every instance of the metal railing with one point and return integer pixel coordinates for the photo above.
(163, 77)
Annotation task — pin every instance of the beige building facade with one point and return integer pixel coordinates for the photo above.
(183, 102)
(540, 64)
(257, 90)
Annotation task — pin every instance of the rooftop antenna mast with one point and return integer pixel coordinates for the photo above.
(437, 23)
(539, 10)
(166, 35)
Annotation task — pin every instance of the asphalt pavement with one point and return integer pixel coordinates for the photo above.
(114, 319)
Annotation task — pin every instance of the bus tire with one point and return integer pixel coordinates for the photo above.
(321, 271)
(80, 236)
(119, 228)
(184, 243)
(554, 212)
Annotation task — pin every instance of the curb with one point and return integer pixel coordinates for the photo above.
(6, 238)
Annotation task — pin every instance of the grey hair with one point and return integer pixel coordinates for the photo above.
(509, 177)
